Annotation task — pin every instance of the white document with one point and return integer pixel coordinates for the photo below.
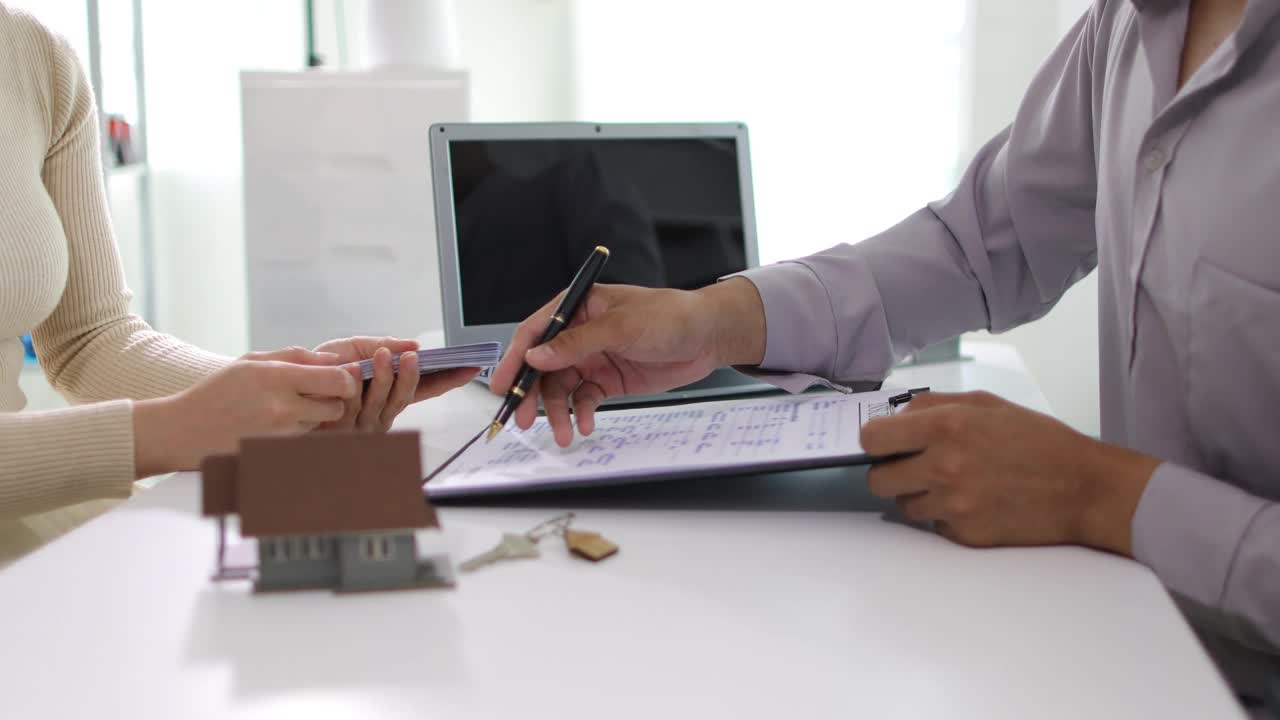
(746, 435)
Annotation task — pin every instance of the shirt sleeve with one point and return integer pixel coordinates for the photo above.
(999, 251)
(91, 347)
(1217, 548)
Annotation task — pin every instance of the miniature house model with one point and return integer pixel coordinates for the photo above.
(329, 510)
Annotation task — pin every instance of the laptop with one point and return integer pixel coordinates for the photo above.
(519, 206)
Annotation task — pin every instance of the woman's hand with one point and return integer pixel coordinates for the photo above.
(388, 393)
(256, 395)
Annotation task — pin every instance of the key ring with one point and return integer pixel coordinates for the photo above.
(555, 526)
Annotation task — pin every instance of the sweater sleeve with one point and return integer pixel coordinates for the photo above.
(91, 347)
(60, 457)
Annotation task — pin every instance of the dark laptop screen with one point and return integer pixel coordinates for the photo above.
(528, 212)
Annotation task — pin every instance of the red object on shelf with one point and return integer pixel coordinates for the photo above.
(120, 137)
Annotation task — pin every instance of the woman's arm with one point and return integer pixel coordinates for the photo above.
(91, 347)
(55, 458)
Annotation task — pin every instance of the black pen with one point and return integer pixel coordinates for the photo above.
(573, 297)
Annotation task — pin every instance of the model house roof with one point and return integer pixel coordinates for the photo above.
(320, 483)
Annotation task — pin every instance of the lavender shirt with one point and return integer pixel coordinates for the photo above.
(1174, 195)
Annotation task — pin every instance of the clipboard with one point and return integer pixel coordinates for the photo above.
(727, 437)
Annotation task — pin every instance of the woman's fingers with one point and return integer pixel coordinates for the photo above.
(314, 410)
(439, 383)
(350, 406)
(402, 391)
(375, 396)
(297, 355)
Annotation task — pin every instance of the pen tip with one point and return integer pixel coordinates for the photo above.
(494, 429)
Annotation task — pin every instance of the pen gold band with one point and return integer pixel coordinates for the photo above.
(517, 391)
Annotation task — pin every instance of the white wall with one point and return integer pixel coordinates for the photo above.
(193, 57)
(1010, 39)
(516, 50)
(854, 108)
(521, 57)
(518, 53)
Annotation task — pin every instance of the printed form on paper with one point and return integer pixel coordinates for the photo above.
(631, 445)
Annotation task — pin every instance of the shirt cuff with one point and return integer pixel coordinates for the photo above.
(798, 319)
(791, 382)
(1189, 528)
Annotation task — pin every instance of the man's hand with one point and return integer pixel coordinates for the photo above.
(389, 393)
(630, 340)
(993, 473)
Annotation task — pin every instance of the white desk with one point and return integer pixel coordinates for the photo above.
(705, 613)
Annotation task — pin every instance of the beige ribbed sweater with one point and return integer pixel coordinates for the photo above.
(61, 279)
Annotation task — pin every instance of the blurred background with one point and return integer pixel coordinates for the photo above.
(859, 113)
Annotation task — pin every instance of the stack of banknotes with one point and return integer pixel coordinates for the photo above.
(481, 355)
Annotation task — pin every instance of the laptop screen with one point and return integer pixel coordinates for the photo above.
(528, 213)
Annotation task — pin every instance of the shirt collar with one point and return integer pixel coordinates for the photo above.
(1258, 15)
(1157, 5)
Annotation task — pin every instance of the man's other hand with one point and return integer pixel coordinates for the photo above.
(989, 472)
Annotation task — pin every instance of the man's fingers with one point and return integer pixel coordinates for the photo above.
(927, 400)
(556, 389)
(576, 343)
(328, 381)
(586, 399)
(920, 507)
(527, 410)
(527, 333)
(904, 432)
(898, 477)
(913, 431)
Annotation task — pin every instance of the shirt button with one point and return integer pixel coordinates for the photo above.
(1155, 159)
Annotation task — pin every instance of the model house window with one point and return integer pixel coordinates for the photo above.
(317, 548)
(277, 549)
(378, 548)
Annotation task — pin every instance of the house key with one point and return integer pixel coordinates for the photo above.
(580, 542)
(512, 546)
(583, 543)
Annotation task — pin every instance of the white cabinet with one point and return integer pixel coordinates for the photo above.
(339, 222)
